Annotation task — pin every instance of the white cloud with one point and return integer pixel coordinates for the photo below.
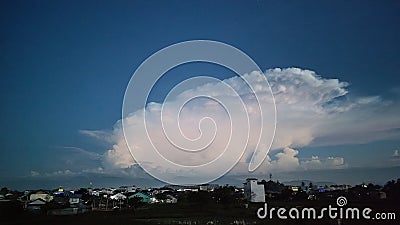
(395, 157)
(98, 134)
(61, 173)
(34, 173)
(329, 163)
(286, 160)
(119, 156)
(81, 153)
(311, 110)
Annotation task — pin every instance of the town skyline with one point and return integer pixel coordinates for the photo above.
(138, 204)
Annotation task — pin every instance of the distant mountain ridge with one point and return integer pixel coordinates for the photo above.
(307, 182)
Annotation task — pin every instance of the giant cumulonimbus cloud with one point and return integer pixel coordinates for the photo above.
(311, 110)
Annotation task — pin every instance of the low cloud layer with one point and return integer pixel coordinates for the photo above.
(311, 111)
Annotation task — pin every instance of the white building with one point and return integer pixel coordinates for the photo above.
(40, 195)
(203, 187)
(253, 191)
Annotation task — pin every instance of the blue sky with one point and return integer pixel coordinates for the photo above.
(65, 66)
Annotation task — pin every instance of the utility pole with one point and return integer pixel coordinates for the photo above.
(107, 203)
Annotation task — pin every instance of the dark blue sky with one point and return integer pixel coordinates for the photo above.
(64, 65)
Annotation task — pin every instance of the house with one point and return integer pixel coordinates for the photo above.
(208, 187)
(183, 188)
(107, 191)
(36, 205)
(294, 188)
(40, 195)
(144, 198)
(253, 190)
(272, 189)
(128, 189)
(75, 199)
(165, 199)
(377, 195)
(154, 200)
(203, 187)
(94, 192)
(171, 199)
(9, 195)
(61, 200)
(191, 189)
(118, 196)
(162, 190)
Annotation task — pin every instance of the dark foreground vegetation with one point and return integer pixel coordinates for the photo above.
(195, 213)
